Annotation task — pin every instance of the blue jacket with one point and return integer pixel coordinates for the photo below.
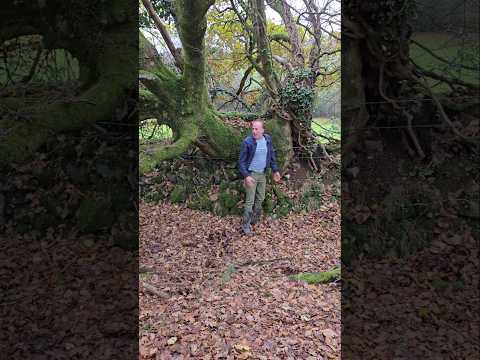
(247, 150)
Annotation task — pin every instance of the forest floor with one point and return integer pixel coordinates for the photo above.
(207, 291)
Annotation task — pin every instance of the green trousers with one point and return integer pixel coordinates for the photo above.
(256, 193)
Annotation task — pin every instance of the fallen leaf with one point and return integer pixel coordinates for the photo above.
(172, 340)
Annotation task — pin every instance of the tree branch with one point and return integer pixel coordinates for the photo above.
(163, 31)
(443, 59)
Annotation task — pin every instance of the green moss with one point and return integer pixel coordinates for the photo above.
(201, 202)
(280, 139)
(227, 200)
(178, 194)
(94, 215)
(283, 204)
(226, 203)
(268, 204)
(153, 197)
(318, 277)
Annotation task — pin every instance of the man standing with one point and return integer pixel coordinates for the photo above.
(256, 155)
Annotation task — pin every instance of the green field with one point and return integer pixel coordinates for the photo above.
(150, 131)
(455, 50)
(326, 127)
(52, 65)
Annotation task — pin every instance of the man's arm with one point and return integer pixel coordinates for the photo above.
(242, 161)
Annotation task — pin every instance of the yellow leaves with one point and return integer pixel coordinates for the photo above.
(243, 350)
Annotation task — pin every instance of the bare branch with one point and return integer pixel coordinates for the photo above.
(473, 68)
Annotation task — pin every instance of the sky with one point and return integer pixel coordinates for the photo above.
(299, 5)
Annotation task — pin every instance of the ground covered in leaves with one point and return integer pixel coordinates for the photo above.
(206, 291)
(420, 307)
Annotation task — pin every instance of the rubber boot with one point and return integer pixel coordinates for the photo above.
(257, 214)
(247, 218)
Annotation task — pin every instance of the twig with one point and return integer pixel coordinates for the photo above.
(260, 262)
(153, 290)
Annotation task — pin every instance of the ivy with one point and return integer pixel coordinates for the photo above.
(298, 94)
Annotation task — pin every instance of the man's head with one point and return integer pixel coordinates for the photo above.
(257, 129)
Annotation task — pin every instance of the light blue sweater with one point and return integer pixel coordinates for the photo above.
(259, 160)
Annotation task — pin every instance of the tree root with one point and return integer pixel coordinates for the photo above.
(413, 136)
(443, 115)
(410, 151)
(21, 139)
(151, 155)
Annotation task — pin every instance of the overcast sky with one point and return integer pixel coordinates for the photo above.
(300, 6)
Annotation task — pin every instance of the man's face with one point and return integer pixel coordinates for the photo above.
(257, 129)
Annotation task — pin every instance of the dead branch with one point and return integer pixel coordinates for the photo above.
(153, 290)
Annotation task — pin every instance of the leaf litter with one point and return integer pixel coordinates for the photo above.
(223, 295)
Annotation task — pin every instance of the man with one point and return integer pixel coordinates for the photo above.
(256, 155)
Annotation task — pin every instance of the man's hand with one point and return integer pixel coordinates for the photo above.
(248, 181)
(276, 176)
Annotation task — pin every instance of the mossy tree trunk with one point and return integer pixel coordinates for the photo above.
(99, 36)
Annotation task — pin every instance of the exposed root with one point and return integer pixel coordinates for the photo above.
(413, 136)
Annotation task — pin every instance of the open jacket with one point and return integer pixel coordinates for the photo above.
(247, 151)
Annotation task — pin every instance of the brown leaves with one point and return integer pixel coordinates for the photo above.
(239, 302)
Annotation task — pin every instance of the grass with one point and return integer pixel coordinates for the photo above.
(451, 48)
(326, 127)
(150, 131)
(55, 65)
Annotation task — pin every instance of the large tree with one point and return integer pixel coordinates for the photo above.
(100, 35)
(179, 97)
